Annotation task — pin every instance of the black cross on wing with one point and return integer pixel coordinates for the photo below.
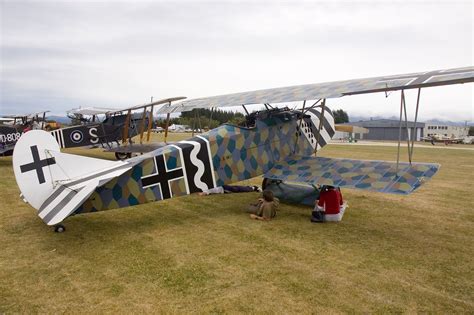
(421, 78)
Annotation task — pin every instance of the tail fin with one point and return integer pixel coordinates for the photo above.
(56, 183)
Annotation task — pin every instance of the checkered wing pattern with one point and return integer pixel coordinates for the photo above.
(329, 89)
(378, 176)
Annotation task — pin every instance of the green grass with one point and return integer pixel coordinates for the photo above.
(204, 255)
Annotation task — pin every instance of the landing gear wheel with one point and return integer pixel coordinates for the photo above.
(122, 156)
(59, 228)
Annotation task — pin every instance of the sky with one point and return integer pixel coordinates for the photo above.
(58, 55)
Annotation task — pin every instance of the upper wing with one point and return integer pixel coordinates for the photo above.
(91, 110)
(329, 89)
(378, 176)
(159, 102)
(105, 110)
(29, 115)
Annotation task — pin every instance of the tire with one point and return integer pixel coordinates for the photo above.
(59, 228)
(122, 156)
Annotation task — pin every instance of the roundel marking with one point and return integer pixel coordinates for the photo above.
(76, 136)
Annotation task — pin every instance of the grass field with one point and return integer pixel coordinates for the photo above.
(204, 255)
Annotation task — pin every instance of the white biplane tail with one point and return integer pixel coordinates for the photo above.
(56, 183)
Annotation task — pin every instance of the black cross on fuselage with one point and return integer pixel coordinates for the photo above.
(37, 164)
(162, 177)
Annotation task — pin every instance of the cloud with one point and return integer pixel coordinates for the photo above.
(59, 55)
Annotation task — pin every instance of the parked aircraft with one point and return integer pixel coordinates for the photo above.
(115, 132)
(13, 126)
(278, 143)
(443, 139)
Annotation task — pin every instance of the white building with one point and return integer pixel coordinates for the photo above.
(445, 130)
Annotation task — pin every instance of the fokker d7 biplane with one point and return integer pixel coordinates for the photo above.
(278, 143)
(115, 132)
(13, 126)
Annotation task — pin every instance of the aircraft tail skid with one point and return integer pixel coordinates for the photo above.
(55, 183)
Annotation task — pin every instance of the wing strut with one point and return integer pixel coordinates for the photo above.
(399, 132)
(126, 126)
(323, 107)
(314, 105)
(299, 127)
(167, 121)
(414, 125)
(406, 126)
(44, 121)
(142, 125)
(410, 135)
(245, 108)
(167, 125)
(150, 122)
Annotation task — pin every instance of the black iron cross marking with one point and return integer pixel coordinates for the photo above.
(162, 177)
(420, 79)
(37, 164)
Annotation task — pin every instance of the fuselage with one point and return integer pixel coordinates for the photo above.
(221, 156)
(105, 133)
(9, 135)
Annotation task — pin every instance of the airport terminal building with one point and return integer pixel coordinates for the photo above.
(387, 129)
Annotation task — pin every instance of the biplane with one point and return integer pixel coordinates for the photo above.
(13, 126)
(114, 132)
(278, 143)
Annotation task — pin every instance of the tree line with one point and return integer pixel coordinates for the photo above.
(209, 119)
(205, 118)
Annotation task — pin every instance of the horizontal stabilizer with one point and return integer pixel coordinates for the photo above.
(378, 176)
(67, 197)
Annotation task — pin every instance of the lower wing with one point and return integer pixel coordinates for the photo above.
(378, 176)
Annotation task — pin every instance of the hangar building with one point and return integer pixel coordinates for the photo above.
(387, 129)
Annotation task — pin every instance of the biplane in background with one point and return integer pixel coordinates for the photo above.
(13, 126)
(278, 143)
(112, 129)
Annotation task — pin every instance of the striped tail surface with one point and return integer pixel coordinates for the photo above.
(56, 183)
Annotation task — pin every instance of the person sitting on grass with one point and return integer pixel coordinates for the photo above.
(265, 208)
(330, 206)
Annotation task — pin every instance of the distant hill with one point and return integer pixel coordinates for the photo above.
(430, 121)
(364, 118)
(449, 122)
(60, 119)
